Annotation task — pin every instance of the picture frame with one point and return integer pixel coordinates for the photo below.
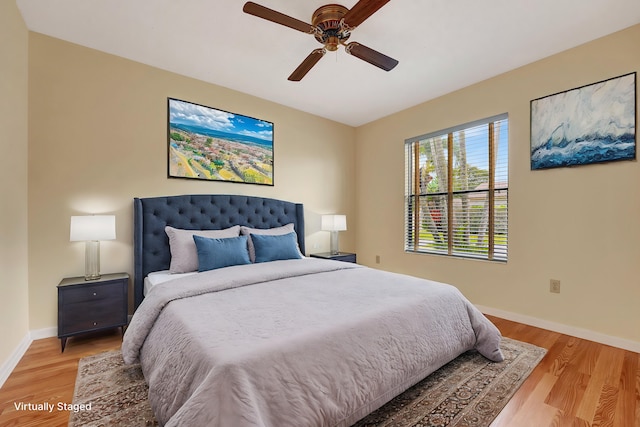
(594, 123)
(210, 144)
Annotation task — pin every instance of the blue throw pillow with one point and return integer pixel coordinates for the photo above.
(221, 252)
(273, 248)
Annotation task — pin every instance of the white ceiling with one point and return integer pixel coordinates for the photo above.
(442, 45)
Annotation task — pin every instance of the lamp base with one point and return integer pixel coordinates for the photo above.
(334, 243)
(92, 260)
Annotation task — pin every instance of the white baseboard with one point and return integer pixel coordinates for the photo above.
(38, 334)
(563, 329)
(9, 365)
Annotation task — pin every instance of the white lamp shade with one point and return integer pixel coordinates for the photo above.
(334, 222)
(92, 227)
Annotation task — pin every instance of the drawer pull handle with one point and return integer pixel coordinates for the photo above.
(94, 294)
(95, 323)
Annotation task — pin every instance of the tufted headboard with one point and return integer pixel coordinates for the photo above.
(200, 212)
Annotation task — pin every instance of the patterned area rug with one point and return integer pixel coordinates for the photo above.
(469, 391)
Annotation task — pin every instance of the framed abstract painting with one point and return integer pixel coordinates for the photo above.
(590, 124)
(215, 145)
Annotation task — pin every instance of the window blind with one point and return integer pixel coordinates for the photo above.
(456, 190)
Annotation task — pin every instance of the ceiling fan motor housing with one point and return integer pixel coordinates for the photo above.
(328, 19)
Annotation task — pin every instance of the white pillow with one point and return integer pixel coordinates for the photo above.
(276, 231)
(184, 256)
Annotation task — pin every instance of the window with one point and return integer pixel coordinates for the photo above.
(456, 191)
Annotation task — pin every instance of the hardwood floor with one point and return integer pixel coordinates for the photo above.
(46, 375)
(578, 383)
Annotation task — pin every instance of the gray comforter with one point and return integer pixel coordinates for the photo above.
(296, 343)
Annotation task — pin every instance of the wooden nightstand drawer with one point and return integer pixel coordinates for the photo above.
(86, 306)
(88, 293)
(83, 317)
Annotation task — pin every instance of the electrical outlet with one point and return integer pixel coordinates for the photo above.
(554, 286)
(377, 259)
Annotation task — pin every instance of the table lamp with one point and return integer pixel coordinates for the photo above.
(91, 229)
(334, 224)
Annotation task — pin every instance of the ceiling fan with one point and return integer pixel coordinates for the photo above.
(331, 25)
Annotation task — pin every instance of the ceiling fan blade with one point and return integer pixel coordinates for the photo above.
(362, 10)
(279, 18)
(306, 65)
(371, 56)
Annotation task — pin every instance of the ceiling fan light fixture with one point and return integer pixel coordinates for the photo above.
(331, 44)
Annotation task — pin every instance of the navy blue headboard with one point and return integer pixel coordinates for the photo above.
(200, 212)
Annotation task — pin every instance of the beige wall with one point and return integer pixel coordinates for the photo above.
(580, 225)
(97, 138)
(14, 310)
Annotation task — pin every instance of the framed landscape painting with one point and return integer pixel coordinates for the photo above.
(590, 124)
(215, 145)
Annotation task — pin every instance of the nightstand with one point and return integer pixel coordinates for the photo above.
(92, 305)
(340, 256)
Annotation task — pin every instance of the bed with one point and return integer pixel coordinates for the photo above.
(291, 341)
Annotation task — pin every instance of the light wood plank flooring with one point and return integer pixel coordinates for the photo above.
(578, 383)
(46, 375)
